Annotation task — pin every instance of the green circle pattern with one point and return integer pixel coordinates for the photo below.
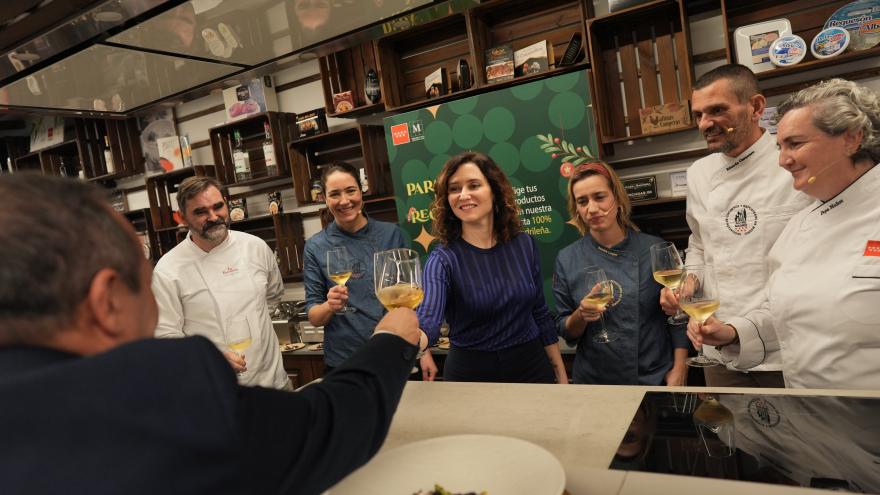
(467, 131)
(564, 82)
(499, 124)
(438, 137)
(506, 156)
(566, 110)
(528, 91)
(413, 171)
(532, 157)
(436, 165)
(463, 106)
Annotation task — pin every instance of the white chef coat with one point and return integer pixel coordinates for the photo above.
(736, 208)
(201, 293)
(823, 297)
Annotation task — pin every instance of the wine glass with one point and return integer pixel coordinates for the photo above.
(667, 266)
(340, 264)
(601, 293)
(398, 278)
(238, 337)
(698, 297)
(716, 427)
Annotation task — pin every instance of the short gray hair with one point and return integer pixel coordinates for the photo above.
(840, 106)
(191, 187)
(56, 234)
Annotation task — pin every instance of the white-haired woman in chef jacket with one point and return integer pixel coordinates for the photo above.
(822, 307)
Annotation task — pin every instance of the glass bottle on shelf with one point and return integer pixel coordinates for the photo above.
(241, 159)
(108, 156)
(269, 151)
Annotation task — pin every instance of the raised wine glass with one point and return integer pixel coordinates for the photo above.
(601, 293)
(238, 337)
(698, 297)
(667, 266)
(398, 279)
(340, 264)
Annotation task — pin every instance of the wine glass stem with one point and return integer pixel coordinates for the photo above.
(603, 334)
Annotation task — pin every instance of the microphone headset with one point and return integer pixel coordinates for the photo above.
(729, 130)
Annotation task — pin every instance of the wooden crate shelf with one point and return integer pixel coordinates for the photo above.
(806, 21)
(282, 128)
(362, 146)
(159, 190)
(284, 235)
(521, 23)
(346, 71)
(641, 58)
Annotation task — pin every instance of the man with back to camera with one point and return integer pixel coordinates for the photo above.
(738, 201)
(221, 284)
(95, 405)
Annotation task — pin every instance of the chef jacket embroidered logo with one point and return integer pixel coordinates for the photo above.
(742, 219)
(873, 248)
(229, 270)
(764, 412)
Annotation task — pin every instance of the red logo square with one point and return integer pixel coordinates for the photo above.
(400, 134)
(873, 248)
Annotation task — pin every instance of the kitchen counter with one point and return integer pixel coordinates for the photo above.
(582, 425)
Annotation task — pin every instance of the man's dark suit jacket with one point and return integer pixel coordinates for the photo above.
(167, 417)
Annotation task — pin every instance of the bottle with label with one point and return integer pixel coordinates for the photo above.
(241, 159)
(269, 151)
(108, 156)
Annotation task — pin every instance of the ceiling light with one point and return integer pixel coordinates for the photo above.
(108, 16)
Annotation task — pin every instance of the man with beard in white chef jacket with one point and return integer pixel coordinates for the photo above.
(821, 303)
(738, 201)
(219, 284)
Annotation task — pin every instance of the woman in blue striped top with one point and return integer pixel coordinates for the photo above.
(485, 281)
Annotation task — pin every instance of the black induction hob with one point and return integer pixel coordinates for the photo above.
(819, 442)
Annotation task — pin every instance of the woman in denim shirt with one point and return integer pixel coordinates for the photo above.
(362, 236)
(647, 352)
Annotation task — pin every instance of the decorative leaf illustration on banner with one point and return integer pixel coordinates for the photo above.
(570, 155)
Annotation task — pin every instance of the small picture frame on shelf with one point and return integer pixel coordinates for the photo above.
(237, 209)
(499, 64)
(312, 122)
(436, 84)
(753, 42)
(343, 102)
(535, 58)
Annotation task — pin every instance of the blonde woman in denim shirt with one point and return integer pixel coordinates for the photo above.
(647, 352)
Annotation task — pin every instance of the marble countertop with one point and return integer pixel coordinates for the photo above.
(582, 425)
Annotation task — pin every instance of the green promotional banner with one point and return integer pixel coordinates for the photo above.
(536, 132)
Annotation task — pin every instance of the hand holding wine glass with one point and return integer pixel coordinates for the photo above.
(238, 339)
(600, 295)
(398, 282)
(340, 265)
(698, 297)
(667, 267)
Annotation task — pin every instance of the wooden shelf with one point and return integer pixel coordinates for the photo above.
(809, 65)
(362, 146)
(628, 74)
(285, 236)
(346, 71)
(251, 129)
(663, 217)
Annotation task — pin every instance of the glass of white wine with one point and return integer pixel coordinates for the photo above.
(238, 337)
(667, 266)
(340, 265)
(601, 293)
(398, 279)
(716, 427)
(698, 297)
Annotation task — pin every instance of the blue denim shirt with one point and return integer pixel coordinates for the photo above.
(344, 334)
(644, 351)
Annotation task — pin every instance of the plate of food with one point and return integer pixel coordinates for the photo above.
(293, 346)
(459, 464)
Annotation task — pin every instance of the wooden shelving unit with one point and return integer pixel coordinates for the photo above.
(284, 235)
(806, 22)
(282, 129)
(641, 58)
(362, 146)
(664, 217)
(346, 71)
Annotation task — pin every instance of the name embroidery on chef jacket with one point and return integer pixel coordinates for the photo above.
(229, 271)
(742, 219)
